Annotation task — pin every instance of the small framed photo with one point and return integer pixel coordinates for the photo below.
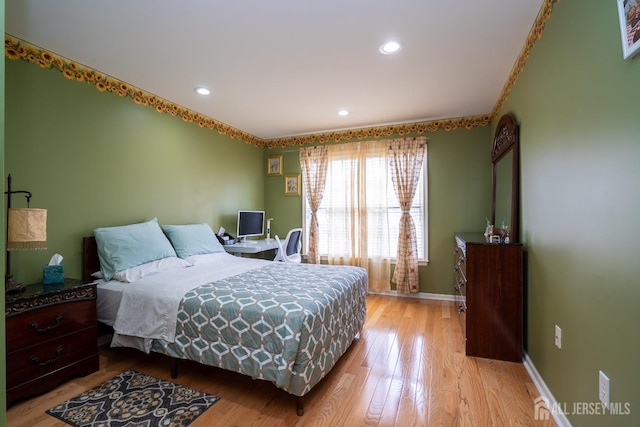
(274, 165)
(629, 13)
(292, 185)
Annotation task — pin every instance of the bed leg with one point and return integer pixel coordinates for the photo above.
(299, 406)
(174, 368)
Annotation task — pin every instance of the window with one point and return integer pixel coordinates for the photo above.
(337, 217)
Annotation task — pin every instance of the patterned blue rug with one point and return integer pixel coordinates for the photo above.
(132, 398)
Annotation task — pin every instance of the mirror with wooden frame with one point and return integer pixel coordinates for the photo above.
(505, 157)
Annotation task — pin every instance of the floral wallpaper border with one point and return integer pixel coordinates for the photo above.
(534, 35)
(380, 131)
(15, 48)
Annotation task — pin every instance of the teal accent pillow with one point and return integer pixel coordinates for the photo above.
(192, 239)
(128, 246)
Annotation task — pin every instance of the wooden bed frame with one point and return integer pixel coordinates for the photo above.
(90, 260)
(91, 264)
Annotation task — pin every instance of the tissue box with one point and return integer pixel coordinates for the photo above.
(52, 274)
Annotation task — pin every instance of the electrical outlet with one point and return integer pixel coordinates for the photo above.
(558, 338)
(604, 385)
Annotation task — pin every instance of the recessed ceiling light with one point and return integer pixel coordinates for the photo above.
(202, 90)
(390, 47)
(343, 112)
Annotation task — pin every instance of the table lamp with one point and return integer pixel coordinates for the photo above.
(269, 228)
(26, 230)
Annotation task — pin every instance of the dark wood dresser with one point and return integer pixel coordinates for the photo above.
(51, 336)
(489, 294)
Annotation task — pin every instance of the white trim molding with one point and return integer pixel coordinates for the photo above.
(550, 401)
(418, 295)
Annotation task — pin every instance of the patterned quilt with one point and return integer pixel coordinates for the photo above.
(285, 323)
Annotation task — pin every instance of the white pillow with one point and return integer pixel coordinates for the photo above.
(204, 258)
(154, 267)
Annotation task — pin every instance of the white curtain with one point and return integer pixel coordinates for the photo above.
(313, 161)
(355, 202)
(405, 161)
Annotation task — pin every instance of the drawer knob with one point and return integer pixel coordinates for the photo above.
(35, 326)
(34, 359)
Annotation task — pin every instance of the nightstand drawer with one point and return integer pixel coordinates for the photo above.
(34, 361)
(51, 336)
(36, 326)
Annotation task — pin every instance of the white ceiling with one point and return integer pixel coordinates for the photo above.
(279, 68)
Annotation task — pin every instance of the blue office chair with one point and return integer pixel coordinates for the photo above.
(289, 250)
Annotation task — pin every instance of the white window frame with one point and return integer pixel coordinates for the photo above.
(425, 219)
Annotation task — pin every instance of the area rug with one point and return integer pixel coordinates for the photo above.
(134, 399)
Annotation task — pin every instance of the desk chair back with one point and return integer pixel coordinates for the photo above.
(289, 250)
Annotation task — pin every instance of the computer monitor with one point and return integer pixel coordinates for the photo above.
(250, 223)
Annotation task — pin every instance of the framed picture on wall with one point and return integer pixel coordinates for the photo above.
(274, 165)
(292, 185)
(629, 13)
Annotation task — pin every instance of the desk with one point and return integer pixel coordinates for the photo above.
(251, 248)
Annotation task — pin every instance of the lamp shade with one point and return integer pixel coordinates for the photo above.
(27, 229)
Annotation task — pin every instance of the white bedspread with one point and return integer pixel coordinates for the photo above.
(148, 307)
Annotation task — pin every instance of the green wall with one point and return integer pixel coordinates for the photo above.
(459, 173)
(95, 159)
(286, 211)
(3, 370)
(577, 105)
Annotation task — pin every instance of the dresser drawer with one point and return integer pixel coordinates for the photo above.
(40, 359)
(36, 326)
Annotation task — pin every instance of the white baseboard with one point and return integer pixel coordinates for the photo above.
(418, 295)
(559, 417)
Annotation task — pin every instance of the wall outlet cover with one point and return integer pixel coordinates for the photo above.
(604, 390)
(558, 337)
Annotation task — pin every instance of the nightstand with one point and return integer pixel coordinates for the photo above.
(51, 336)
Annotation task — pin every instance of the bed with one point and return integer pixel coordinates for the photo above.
(285, 323)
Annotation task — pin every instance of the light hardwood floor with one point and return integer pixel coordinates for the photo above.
(407, 369)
